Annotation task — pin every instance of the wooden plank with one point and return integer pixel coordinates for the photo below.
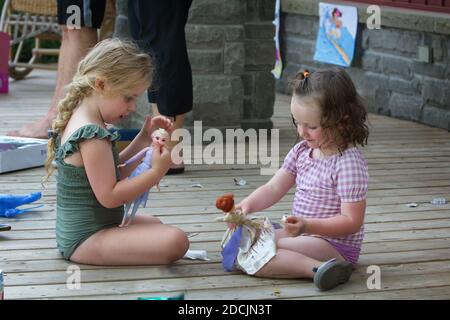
(290, 291)
(216, 236)
(121, 287)
(37, 262)
(159, 204)
(92, 274)
(220, 226)
(194, 171)
(210, 189)
(407, 276)
(45, 233)
(434, 293)
(377, 166)
(26, 255)
(384, 213)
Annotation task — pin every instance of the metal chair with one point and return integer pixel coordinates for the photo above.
(28, 19)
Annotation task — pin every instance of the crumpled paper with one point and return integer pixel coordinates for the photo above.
(250, 245)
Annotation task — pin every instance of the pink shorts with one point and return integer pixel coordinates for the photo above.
(349, 253)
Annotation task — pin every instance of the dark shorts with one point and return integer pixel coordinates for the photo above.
(91, 12)
(158, 27)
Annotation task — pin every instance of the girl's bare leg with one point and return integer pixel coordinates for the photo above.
(313, 247)
(288, 264)
(297, 256)
(146, 241)
(144, 218)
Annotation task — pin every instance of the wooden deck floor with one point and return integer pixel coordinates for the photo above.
(408, 162)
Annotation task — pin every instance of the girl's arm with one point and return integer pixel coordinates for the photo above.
(348, 222)
(128, 166)
(142, 140)
(100, 169)
(269, 193)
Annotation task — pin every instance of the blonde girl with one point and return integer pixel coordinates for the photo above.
(91, 189)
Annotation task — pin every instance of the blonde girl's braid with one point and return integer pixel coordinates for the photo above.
(76, 92)
(119, 63)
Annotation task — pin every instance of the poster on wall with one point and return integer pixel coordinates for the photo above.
(337, 33)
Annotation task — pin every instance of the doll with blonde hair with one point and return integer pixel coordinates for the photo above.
(91, 188)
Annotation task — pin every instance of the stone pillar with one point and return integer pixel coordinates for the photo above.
(215, 38)
(231, 50)
(259, 83)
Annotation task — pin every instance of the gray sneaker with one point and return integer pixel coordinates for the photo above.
(332, 273)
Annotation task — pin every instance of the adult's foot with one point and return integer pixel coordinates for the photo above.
(37, 129)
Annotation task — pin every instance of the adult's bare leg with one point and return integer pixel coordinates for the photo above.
(75, 43)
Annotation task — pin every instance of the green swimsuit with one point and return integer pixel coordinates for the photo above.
(78, 212)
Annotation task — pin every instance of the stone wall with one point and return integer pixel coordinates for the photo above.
(215, 38)
(231, 50)
(386, 67)
(258, 81)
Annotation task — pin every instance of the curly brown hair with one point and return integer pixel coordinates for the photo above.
(344, 114)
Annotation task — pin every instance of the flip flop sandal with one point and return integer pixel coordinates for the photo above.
(175, 170)
(332, 273)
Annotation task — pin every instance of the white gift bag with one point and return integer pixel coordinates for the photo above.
(256, 245)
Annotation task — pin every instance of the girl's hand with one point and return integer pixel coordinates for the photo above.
(294, 225)
(240, 208)
(161, 159)
(237, 208)
(163, 123)
(146, 130)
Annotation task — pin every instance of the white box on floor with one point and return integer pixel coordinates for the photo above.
(21, 153)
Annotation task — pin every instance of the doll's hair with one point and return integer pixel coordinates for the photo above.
(118, 63)
(336, 12)
(343, 114)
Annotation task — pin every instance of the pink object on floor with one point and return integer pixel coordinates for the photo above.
(4, 57)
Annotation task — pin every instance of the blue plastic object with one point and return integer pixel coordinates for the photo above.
(9, 204)
(177, 297)
(231, 250)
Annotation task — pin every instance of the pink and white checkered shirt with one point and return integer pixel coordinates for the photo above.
(322, 184)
